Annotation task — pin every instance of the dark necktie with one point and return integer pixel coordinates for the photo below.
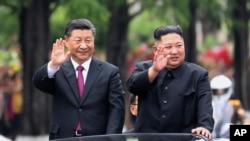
(80, 82)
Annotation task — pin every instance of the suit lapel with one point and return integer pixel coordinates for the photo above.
(71, 78)
(94, 70)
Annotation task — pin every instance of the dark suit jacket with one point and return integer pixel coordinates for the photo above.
(101, 110)
(185, 103)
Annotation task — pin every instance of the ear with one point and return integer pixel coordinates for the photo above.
(133, 110)
(66, 42)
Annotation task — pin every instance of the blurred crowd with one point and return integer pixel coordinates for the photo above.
(140, 53)
(10, 91)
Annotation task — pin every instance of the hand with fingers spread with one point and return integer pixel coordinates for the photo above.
(58, 55)
(202, 131)
(160, 62)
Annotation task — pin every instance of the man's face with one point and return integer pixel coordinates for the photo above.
(173, 45)
(81, 45)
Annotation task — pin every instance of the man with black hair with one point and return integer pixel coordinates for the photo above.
(88, 98)
(174, 96)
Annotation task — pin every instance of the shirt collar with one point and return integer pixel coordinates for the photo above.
(178, 71)
(85, 65)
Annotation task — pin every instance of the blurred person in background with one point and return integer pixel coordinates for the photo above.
(13, 108)
(240, 115)
(6, 85)
(223, 111)
(133, 108)
(4, 88)
(11, 97)
(226, 110)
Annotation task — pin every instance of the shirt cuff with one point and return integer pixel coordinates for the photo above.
(51, 72)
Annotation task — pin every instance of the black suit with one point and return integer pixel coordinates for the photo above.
(101, 109)
(172, 104)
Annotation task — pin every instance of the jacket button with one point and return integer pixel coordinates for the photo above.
(80, 110)
(163, 116)
(165, 101)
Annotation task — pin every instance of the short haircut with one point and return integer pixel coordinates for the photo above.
(79, 24)
(132, 99)
(163, 30)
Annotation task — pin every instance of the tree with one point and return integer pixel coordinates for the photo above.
(116, 39)
(33, 21)
(34, 39)
(240, 31)
(190, 36)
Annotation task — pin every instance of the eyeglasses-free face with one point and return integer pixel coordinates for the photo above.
(171, 45)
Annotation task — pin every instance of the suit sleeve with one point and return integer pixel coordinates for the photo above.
(205, 110)
(116, 104)
(41, 80)
(138, 83)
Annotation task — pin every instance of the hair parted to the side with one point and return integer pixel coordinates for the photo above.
(79, 24)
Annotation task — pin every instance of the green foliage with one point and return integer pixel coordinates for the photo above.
(8, 26)
(58, 20)
(141, 28)
(180, 12)
(75, 9)
(10, 59)
(155, 14)
(10, 3)
(209, 42)
(212, 10)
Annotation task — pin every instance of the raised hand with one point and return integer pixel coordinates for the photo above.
(159, 63)
(160, 58)
(58, 54)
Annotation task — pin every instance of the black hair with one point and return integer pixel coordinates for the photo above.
(132, 99)
(79, 24)
(163, 30)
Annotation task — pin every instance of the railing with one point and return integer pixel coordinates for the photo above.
(140, 137)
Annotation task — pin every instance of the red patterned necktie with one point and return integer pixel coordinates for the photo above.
(80, 82)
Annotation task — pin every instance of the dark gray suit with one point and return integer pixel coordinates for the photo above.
(101, 110)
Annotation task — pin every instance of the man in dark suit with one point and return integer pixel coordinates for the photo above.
(173, 95)
(99, 107)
